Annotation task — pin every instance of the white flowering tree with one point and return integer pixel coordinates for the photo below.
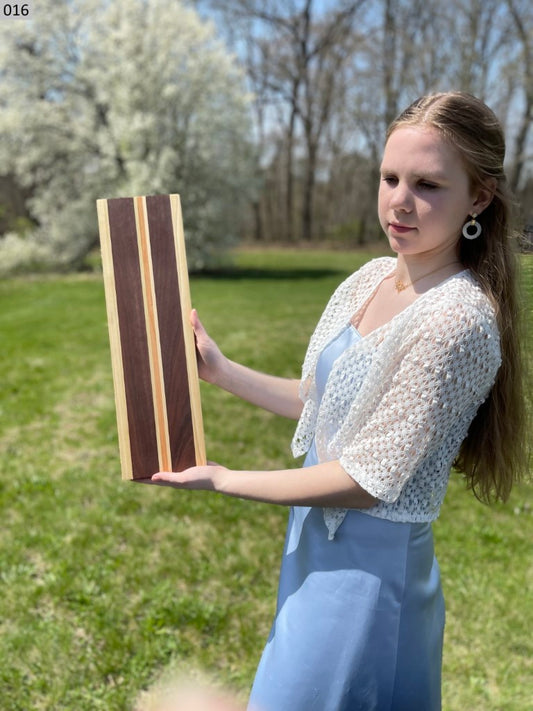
(109, 99)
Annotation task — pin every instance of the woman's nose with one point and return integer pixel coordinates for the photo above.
(401, 198)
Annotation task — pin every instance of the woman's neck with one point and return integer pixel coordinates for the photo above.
(423, 272)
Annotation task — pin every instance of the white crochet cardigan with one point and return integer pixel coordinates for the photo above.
(398, 403)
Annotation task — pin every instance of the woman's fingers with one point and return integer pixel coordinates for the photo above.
(197, 325)
(200, 477)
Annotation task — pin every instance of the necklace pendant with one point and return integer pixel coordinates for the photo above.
(400, 286)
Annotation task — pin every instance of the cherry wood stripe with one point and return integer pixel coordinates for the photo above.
(152, 331)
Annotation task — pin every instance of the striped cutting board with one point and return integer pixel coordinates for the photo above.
(153, 355)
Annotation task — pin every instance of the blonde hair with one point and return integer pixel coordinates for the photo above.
(494, 454)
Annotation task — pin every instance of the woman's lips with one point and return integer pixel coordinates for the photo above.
(400, 229)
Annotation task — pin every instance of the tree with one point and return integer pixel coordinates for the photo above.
(299, 49)
(107, 99)
(522, 17)
(329, 77)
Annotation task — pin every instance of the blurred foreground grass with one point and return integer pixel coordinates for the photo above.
(104, 584)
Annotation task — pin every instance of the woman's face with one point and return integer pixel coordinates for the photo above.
(424, 193)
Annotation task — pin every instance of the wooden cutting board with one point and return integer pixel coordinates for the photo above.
(153, 354)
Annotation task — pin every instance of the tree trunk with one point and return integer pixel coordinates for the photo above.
(289, 200)
(309, 194)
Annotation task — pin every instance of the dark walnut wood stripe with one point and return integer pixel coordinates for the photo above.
(173, 355)
(133, 338)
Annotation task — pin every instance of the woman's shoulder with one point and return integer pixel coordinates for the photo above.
(458, 309)
(377, 267)
(370, 272)
(463, 292)
(380, 263)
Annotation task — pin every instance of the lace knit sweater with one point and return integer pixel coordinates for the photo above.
(398, 403)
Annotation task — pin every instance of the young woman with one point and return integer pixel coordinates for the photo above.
(413, 367)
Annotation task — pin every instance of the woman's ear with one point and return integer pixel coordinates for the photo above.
(483, 196)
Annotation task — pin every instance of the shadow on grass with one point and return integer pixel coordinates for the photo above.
(293, 273)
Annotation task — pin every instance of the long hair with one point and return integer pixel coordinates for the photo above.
(494, 454)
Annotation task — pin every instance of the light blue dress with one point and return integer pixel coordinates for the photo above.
(360, 619)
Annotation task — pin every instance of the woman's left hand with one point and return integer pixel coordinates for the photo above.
(325, 484)
(202, 477)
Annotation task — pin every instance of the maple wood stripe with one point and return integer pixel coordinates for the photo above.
(134, 351)
(188, 334)
(171, 336)
(114, 340)
(152, 330)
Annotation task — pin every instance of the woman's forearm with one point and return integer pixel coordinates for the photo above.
(319, 485)
(325, 484)
(278, 395)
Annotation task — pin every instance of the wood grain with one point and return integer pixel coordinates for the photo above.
(153, 354)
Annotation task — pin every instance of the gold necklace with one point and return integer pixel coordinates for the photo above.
(400, 286)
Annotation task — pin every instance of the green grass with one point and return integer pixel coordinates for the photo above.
(105, 585)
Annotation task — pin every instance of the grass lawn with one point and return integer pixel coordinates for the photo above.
(105, 585)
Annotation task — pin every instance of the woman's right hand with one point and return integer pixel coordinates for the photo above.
(210, 358)
(278, 395)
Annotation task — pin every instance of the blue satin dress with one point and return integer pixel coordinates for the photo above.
(360, 619)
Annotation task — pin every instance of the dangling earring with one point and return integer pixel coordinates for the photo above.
(472, 224)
